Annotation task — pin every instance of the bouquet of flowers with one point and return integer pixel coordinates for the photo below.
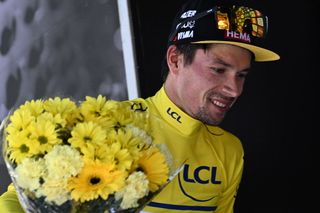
(95, 156)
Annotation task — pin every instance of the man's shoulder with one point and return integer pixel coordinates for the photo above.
(225, 140)
(138, 104)
(141, 104)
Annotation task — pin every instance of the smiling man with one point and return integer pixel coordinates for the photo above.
(210, 51)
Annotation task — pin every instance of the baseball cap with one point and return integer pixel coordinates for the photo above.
(214, 21)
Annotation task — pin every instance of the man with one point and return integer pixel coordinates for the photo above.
(210, 51)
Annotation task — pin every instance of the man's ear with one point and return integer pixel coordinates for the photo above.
(174, 59)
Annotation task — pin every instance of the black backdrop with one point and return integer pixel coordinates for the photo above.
(275, 117)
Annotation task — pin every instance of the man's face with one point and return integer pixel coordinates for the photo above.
(207, 88)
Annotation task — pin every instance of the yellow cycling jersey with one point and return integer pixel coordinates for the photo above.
(213, 161)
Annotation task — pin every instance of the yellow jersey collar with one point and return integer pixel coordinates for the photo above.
(179, 119)
(174, 115)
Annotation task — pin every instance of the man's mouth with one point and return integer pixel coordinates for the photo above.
(219, 104)
(222, 104)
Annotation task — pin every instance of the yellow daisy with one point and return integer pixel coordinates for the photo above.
(20, 147)
(96, 179)
(56, 120)
(86, 136)
(43, 133)
(19, 121)
(115, 154)
(35, 107)
(127, 141)
(60, 106)
(98, 110)
(122, 116)
(153, 164)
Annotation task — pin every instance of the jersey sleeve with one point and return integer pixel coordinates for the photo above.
(9, 202)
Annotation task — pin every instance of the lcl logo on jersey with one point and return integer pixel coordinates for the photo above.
(174, 115)
(194, 176)
(191, 177)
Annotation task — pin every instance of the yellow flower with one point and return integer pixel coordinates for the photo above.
(122, 116)
(43, 133)
(115, 154)
(19, 121)
(98, 110)
(56, 120)
(64, 106)
(127, 141)
(35, 107)
(153, 164)
(20, 147)
(87, 136)
(96, 179)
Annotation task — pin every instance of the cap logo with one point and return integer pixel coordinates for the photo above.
(188, 14)
(244, 37)
(188, 25)
(186, 34)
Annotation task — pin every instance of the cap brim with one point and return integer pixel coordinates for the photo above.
(260, 53)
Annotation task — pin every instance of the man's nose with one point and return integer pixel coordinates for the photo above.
(232, 87)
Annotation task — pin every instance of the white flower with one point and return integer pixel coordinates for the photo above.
(63, 162)
(54, 191)
(137, 132)
(28, 173)
(136, 188)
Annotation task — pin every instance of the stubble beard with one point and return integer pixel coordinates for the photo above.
(204, 116)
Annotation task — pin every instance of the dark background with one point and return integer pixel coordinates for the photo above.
(274, 118)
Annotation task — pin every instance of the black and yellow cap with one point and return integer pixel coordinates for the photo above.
(214, 21)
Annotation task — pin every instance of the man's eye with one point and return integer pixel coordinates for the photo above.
(242, 75)
(217, 70)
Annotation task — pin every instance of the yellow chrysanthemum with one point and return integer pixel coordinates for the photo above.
(20, 147)
(115, 154)
(87, 136)
(43, 132)
(122, 116)
(35, 107)
(98, 110)
(133, 144)
(153, 164)
(19, 121)
(56, 120)
(64, 106)
(96, 179)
